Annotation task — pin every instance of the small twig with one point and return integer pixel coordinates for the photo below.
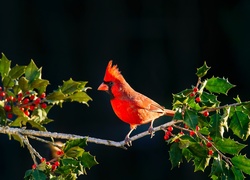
(220, 107)
(227, 159)
(44, 141)
(32, 151)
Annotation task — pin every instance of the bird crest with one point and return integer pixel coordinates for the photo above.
(112, 73)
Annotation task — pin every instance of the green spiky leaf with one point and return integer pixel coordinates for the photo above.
(202, 71)
(218, 85)
(4, 66)
(191, 118)
(32, 72)
(229, 146)
(175, 155)
(242, 162)
(88, 160)
(17, 71)
(200, 164)
(240, 125)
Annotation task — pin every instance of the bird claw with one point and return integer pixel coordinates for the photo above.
(128, 141)
(151, 131)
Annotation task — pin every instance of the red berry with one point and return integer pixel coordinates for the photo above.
(7, 107)
(43, 160)
(25, 101)
(166, 137)
(32, 97)
(181, 133)
(209, 144)
(1, 88)
(10, 98)
(43, 95)
(177, 140)
(210, 152)
(191, 133)
(198, 99)
(19, 96)
(53, 167)
(209, 138)
(43, 105)
(192, 94)
(48, 163)
(195, 89)
(37, 101)
(57, 163)
(9, 115)
(2, 94)
(27, 113)
(206, 113)
(170, 128)
(197, 128)
(34, 166)
(27, 92)
(32, 107)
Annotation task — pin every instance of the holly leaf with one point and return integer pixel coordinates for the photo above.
(35, 174)
(23, 84)
(181, 97)
(74, 152)
(202, 71)
(178, 114)
(218, 168)
(17, 71)
(32, 72)
(191, 118)
(240, 125)
(242, 162)
(209, 100)
(37, 125)
(40, 85)
(216, 128)
(8, 82)
(76, 142)
(175, 155)
(4, 66)
(80, 97)
(19, 121)
(197, 150)
(88, 160)
(200, 164)
(55, 96)
(238, 175)
(70, 168)
(71, 86)
(218, 85)
(229, 146)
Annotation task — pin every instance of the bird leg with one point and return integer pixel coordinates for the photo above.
(127, 138)
(151, 129)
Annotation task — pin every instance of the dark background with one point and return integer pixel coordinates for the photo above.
(157, 44)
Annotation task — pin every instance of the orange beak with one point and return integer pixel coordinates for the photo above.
(103, 87)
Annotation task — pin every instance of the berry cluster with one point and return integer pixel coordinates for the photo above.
(198, 99)
(51, 166)
(176, 138)
(27, 102)
(168, 133)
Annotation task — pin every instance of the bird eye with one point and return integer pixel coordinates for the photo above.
(109, 83)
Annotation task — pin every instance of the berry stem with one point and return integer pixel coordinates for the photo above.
(227, 159)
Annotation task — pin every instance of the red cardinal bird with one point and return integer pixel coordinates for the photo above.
(130, 106)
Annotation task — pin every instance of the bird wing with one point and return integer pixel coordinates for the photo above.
(146, 103)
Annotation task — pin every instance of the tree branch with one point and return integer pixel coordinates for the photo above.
(34, 134)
